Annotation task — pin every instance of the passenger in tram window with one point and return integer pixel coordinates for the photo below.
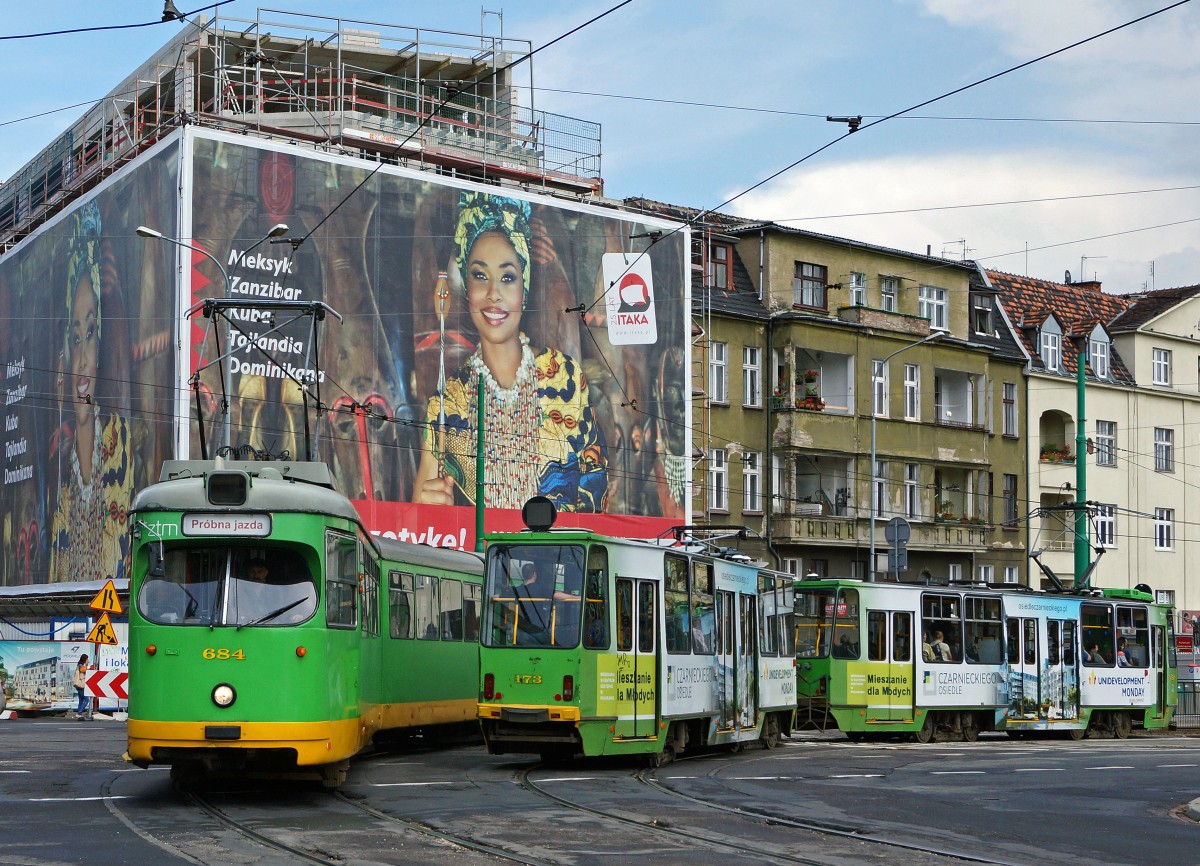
(846, 648)
(1092, 656)
(941, 649)
(1122, 654)
(926, 649)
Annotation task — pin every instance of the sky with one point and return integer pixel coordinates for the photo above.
(1085, 161)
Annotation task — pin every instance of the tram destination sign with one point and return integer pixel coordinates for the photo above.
(245, 525)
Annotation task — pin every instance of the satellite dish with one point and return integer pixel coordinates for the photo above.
(1067, 278)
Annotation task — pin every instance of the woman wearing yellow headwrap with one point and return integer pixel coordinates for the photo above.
(540, 434)
(89, 536)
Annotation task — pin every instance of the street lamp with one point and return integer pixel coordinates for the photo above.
(871, 483)
(275, 231)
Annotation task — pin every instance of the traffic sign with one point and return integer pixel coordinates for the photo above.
(108, 684)
(102, 632)
(106, 600)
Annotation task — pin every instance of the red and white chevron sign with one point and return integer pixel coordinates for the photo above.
(108, 684)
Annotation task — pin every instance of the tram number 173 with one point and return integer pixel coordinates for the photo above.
(527, 679)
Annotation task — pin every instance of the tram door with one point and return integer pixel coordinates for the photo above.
(637, 659)
(1059, 691)
(726, 614)
(889, 640)
(1023, 665)
(745, 652)
(1158, 654)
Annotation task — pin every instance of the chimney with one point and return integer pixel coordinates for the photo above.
(1090, 285)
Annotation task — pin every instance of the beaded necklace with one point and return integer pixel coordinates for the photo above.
(512, 435)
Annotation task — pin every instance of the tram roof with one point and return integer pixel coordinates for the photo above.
(42, 600)
(430, 557)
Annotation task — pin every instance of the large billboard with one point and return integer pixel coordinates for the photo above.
(87, 322)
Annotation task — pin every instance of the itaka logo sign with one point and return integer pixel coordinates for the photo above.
(629, 299)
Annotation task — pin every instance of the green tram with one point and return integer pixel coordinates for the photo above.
(594, 645)
(881, 659)
(269, 632)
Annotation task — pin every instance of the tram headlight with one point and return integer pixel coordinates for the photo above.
(224, 695)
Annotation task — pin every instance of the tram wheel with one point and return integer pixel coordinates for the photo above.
(970, 728)
(925, 733)
(659, 759)
(770, 734)
(856, 736)
(1077, 734)
(1122, 726)
(333, 776)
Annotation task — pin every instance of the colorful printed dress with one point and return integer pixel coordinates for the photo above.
(540, 435)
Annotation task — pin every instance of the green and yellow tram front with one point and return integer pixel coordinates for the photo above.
(228, 651)
(544, 617)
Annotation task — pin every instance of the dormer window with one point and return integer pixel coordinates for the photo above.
(1050, 348)
(1099, 350)
(981, 314)
(719, 257)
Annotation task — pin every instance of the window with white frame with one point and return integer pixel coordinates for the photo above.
(912, 392)
(1160, 367)
(752, 481)
(1010, 408)
(809, 284)
(792, 566)
(981, 314)
(879, 388)
(889, 288)
(1051, 348)
(879, 484)
(1106, 526)
(777, 479)
(718, 481)
(778, 373)
(718, 373)
(858, 289)
(931, 305)
(751, 376)
(1164, 449)
(1164, 529)
(912, 490)
(1010, 500)
(719, 257)
(987, 574)
(1012, 574)
(1098, 356)
(955, 570)
(1106, 443)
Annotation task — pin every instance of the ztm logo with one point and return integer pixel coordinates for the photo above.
(928, 675)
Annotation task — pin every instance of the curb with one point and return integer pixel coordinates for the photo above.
(1192, 810)
(8, 714)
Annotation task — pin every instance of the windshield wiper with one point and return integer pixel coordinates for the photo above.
(274, 613)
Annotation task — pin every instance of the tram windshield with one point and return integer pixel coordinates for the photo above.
(534, 594)
(820, 612)
(227, 586)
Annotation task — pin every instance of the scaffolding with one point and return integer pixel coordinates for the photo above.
(428, 99)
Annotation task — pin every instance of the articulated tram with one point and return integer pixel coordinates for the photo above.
(594, 645)
(880, 659)
(270, 633)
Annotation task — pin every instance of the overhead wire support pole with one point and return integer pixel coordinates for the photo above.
(1083, 550)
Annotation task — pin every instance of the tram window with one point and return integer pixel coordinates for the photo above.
(425, 606)
(646, 617)
(768, 625)
(1068, 643)
(675, 599)
(1053, 656)
(472, 600)
(624, 615)
(400, 604)
(370, 595)
(1097, 624)
(595, 617)
(1031, 642)
(901, 637)
(1133, 625)
(876, 636)
(787, 618)
(1014, 641)
(981, 631)
(845, 625)
(704, 619)
(451, 609)
(341, 581)
(814, 622)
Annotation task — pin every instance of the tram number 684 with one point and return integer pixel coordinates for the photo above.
(527, 679)
(223, 654)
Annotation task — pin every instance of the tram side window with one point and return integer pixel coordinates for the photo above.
(425, 606)
(370, 595)
(876, 636)
(845, 625)
(901, 636)
(787, 617)
(768, 622)
(814, 622)
(1053, 648)
(624, 615)
(1014, 641)
(595, 615)
(675, 595)
(1133, 625)
(704, 617)
(1068, 642)
(451, 614)
(981, 631)
(472, 604)
(942, 614)
(341, 581)
(1098, 643)
(400, 604)
(646, 617)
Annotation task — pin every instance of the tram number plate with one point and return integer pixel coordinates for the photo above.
(527, 679)
(223, 654)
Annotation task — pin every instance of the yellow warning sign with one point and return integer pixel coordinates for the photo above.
(102, 631)
(106, 600)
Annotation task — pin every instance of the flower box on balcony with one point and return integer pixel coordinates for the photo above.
(813, 404)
